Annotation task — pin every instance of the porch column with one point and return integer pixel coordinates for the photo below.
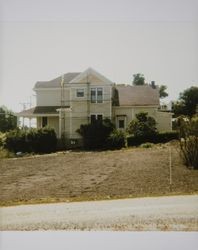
(60, 123)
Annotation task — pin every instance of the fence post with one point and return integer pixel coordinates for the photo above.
(170, 168)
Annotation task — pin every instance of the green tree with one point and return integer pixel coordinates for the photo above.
(142, 125)
(138, 79)
(8, 120)
(162, 91)
(187, 103)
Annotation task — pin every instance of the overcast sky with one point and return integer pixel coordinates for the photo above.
(42, 39)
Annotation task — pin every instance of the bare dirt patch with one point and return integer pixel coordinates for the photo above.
(69, 176)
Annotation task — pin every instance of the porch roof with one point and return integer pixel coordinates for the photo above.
(40, 111)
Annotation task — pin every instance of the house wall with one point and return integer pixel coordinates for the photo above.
(51, 97)
(163, 119)
(53, 122)
(130, 112)
(82, 108)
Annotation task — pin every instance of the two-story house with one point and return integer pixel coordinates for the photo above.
(73, 99)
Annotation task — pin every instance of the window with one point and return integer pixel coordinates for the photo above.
(44, 121)
(96, 95)
(93, 95)
(121, 124)
(80, 92)
(99, 95)
(95, 118)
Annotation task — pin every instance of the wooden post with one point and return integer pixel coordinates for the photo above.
(170, 169)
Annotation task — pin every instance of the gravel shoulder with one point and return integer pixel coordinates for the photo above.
(174, 213)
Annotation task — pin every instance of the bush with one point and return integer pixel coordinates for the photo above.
(47, 140)
(16, 141)
(157, 138)
(95, 134)
(189, 151)
(116, 140)
(142, 125)
(164, 137)
(34, 140)
(189, 141)
(146, 145)
(2, 139)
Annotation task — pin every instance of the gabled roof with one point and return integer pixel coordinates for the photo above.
(86, 76)
(56, 83)
(137, 95)
(74, 77)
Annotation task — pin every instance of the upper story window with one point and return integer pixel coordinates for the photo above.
(80, 93)
(96, 95)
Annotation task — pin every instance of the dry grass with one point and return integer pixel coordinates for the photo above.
(94, 175)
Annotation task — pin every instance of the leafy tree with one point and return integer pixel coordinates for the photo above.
(188, 102)
(138, 79)
(162, 91)
(143, 125)
(8, 120)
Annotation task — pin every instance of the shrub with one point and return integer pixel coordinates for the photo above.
(164, 137)
(189, 151)
(116, 140)
(146, 145)
(2, 139)
(34, 140)
(45, 140)
(143, 125)
(189, 141)
(16, 141)
(95, 134)
(4, 153)
(157, 138)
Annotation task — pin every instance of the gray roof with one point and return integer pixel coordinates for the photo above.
(57, 81)
(137, 95)
(39, 110)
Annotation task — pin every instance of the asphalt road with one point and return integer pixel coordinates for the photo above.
(173, 213)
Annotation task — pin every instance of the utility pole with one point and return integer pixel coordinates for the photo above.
(25, 105)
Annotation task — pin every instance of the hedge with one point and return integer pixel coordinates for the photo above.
(158, 138)
(34, 140)
(116, 140)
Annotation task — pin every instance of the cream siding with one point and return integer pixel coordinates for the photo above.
(163, 119)
(51, 97)
(52, 122)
